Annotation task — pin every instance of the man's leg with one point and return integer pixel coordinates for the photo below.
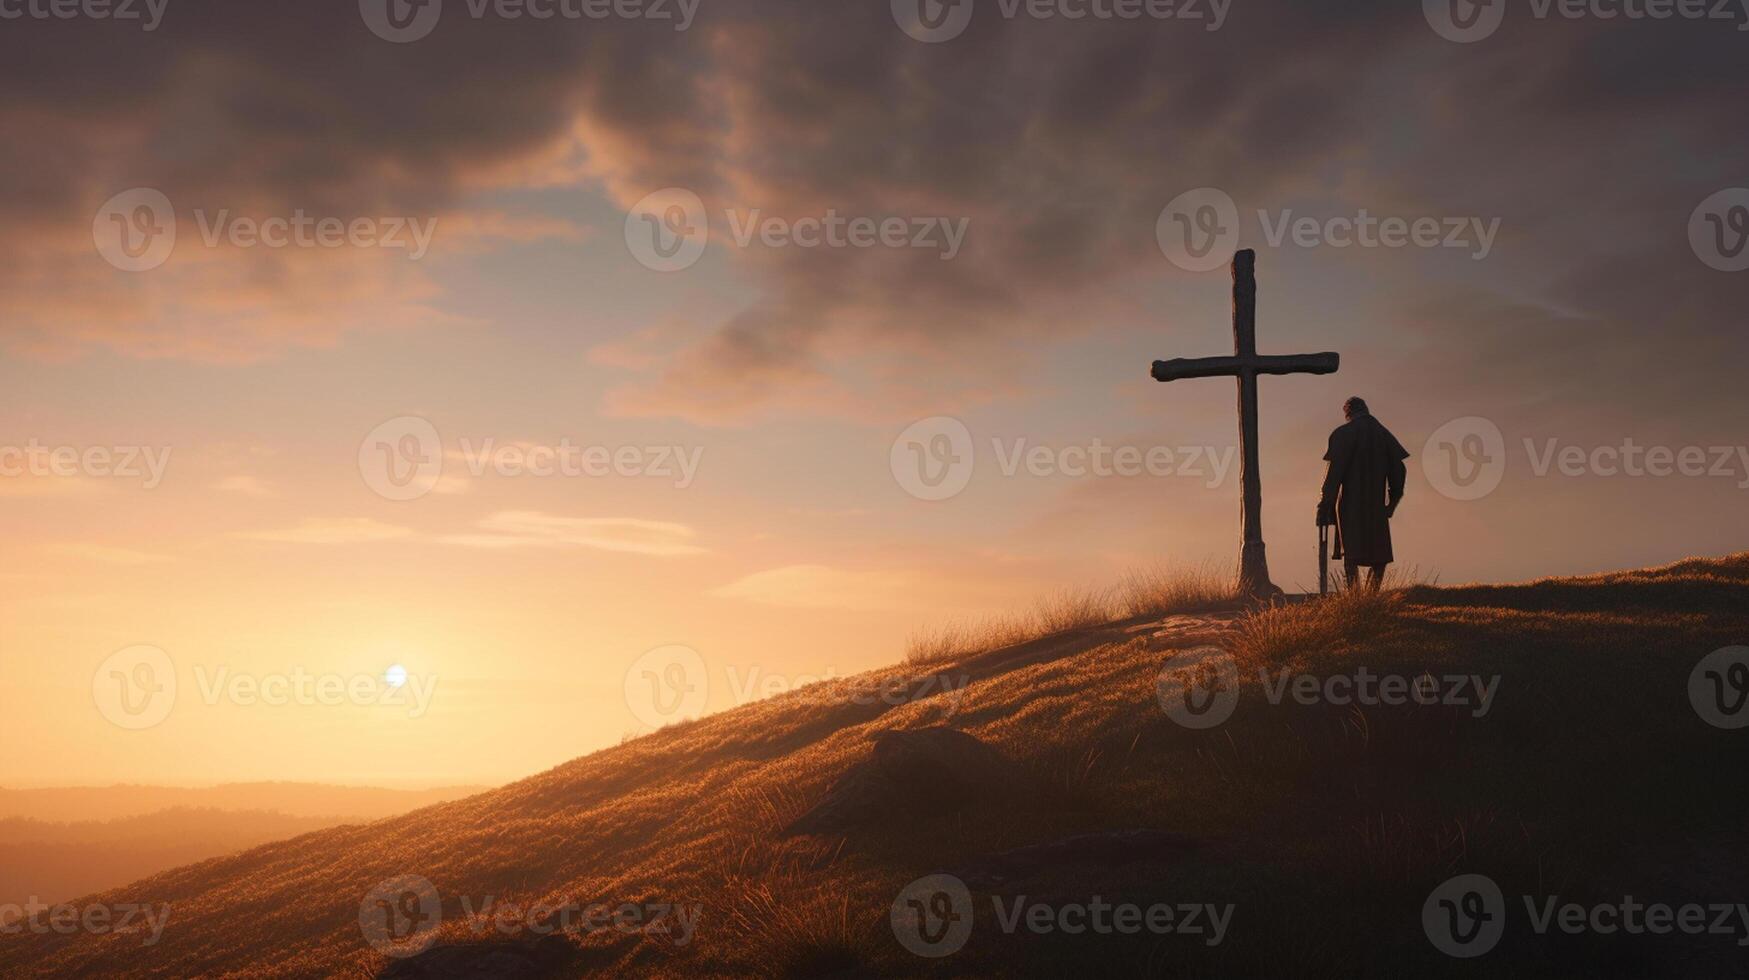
(1350, 574)
(1375, 577)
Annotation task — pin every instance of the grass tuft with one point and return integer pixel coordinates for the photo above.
(1157, 590)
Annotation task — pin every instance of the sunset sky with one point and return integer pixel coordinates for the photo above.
(1591, 314)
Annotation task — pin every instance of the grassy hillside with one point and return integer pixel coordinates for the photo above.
(82, 803)
(55, 861)
(1325, 827)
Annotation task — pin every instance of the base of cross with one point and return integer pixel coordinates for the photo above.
(1254, 580)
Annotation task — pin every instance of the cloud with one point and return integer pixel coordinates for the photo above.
(244, 484)
(823, 587)
(42, 485)
(1059, 142)
(333, 530)
(105, 553)
(533, 529)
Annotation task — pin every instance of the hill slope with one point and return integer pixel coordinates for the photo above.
(1320, 827)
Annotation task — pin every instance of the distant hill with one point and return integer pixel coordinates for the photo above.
(783, 834)
(60, 843)
(290, 799)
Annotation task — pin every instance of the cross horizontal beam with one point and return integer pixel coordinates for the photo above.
(1235, 366)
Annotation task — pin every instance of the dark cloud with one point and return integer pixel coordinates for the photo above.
(1059, 141)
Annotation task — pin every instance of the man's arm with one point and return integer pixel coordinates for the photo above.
(1337, 454)
(1394, 483)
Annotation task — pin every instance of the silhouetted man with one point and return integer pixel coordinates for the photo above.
(1362, 488)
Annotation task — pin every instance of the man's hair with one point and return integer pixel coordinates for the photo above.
(1354, 406)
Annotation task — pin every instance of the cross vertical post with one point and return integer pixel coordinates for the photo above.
(1245, 365)
(1253, 566)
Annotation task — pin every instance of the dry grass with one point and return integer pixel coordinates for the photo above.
(795, 929)
(1158, 590)
(1589, 776)
(1319, 628)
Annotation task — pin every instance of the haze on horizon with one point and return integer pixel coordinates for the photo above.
(731, 424)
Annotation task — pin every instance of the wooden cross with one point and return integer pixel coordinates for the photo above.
(1246, 364)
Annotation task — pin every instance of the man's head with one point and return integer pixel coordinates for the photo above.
(1354, 407)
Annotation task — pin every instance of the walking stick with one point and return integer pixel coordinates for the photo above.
(1323, 559)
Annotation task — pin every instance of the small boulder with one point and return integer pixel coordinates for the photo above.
(1106, 849)
(916, 772)
(543, 958)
